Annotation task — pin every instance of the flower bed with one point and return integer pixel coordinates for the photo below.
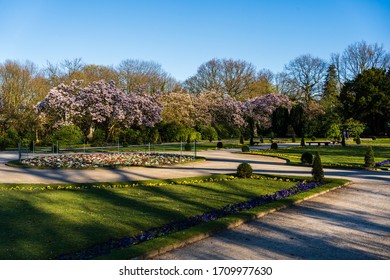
(229, 209)
(105, 160)
(383, 163)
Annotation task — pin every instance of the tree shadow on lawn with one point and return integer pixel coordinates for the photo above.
(46, 224)
(29, 231)
(348, 151)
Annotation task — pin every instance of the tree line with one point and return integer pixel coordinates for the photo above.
(349, 90)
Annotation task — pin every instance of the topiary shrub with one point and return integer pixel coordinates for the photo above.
(245, 149)
(369, 159)
(303, 144)
(244, 170)
(261, 139)
(293, 139)
(373, 138)
(357, 139)
(343, 141)
(307, 157)
(313, 138)
(219, 145)
(317, 170)
(242, 140)
(274, 146)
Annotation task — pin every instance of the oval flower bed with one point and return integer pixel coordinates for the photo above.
(105, 160)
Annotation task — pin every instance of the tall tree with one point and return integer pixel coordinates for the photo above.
(225, 76)
(22, 86)
(100, 104)
(330, 90)
(361, 56)
(307, 73)
(262, 85)
(134, 74)
(298, 119)
(367, 99)
(258, 111)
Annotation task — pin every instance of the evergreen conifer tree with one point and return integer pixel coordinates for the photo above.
(369, 159)
(317, 170)
(303, 144)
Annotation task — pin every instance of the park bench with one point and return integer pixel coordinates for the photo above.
(326, 143)
(278, 141)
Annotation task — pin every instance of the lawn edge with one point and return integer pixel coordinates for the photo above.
(193, 239)
(289, 162)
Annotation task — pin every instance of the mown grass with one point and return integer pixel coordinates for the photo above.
(37, 223)
(331, 156)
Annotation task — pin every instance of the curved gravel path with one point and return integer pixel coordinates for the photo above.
(348, 223)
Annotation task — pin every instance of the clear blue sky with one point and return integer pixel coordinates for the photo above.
(181, 35)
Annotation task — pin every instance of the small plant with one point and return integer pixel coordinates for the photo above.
(244, 170)
(219, 145)
(261, 139)
(245, 149)
(313, 138)
(369, 159)
(242, 140)
(357, 139)
(274, 146)
(307, 157)
(303, 144)
(373, 138)
(293, 139)
(317, 170)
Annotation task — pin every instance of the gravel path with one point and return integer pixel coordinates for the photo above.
(349, 223)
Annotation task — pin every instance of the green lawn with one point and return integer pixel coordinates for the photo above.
(39, 222)
(350, 156)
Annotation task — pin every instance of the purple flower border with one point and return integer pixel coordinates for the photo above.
(106, 247)
(382, 163)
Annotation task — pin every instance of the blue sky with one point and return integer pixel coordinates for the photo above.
(181, 35)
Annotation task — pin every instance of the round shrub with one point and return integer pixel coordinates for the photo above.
(357, 139)
(245, 148)
(219, 145)
(373, 138)
(244, 170)
(313, 138)
(274, 146)
(307, 157)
